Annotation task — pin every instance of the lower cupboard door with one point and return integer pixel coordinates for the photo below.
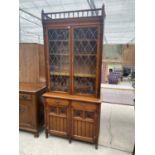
(83, 130)
(26, 114)
(57, 122)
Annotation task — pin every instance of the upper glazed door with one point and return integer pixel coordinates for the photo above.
(59, 59)
(85, 60)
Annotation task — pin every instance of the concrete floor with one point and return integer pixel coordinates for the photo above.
(117, 127)
(116, 137)
(120, 85)
(121, 93)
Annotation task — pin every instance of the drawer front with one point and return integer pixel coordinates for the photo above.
(25, 96)
(84, 106)
(57, 102)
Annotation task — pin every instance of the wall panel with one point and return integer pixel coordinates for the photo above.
(31, 63)
(129, 55)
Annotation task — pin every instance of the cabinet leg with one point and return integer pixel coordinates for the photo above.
(96, 146)
(36, 135)
(70, 141)
(133, 153)
(46, 133)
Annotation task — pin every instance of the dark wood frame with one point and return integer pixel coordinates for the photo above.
(74, 19)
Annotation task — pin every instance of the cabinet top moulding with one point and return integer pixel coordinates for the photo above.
(98, 13)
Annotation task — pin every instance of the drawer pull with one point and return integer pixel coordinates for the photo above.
(57, 102)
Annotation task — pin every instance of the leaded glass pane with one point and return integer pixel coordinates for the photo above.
(85, 48)
(58, 40)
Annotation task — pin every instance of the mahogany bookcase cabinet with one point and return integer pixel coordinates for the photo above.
(73, 42)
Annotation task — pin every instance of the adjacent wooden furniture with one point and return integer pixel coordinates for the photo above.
(31, 109)
(73, 43)
(31, 87)
(31, 63)
(128, 56)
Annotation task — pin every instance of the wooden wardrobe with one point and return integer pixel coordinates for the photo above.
(73, 42)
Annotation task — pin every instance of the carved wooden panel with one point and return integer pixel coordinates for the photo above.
(31, 109)
(53, 110)
(58, 125)
(89, 115)
(83, 121)
(83, 130)
(78, 113)
(57, 119)
(25, 113)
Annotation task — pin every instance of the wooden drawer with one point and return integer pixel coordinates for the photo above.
(84, 106)
(57, 102)
(25, 96)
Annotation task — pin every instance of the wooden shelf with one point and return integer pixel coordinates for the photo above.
(59, 73)
(65, 54)
(84, 40)
(58, 40)
(85, 75)
(85, 54)
(75, 75)
(60, 54)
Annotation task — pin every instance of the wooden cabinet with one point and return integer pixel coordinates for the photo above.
(73, 43)
(57, 115)
(72, 116)
(31, 116)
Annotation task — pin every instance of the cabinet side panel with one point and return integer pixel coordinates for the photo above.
(41, 64)
(28, 62)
